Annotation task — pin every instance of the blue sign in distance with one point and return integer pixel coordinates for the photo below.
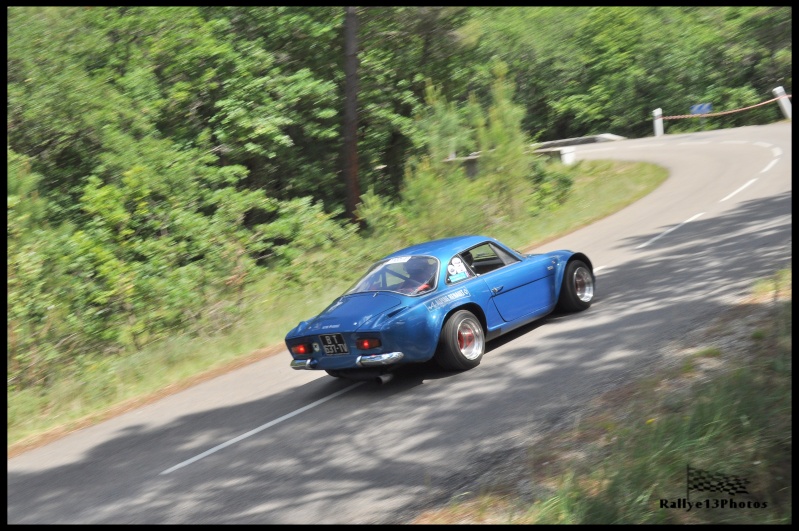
(701, 108)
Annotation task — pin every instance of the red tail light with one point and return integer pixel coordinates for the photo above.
(303, 349)
(367, 343)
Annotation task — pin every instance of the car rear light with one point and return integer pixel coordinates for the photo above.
(303, 349)
(367, 343)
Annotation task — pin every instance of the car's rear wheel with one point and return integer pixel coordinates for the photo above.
(577, 290)
(462, 342)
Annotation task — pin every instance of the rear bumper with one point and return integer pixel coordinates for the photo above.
(373, 360)
(378, 360)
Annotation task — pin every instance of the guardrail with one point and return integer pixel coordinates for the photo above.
(563, 149)
(781, 97)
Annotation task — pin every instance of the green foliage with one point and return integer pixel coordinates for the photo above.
(307, 242)
(438, 204)
(262, 86)
(504, 147)
(26, 209)
(585, 70)
(551, 184)
(163, 248)
(31, 301)
(438, 199)
(380, 216)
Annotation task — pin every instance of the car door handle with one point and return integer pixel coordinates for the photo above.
(497, 289)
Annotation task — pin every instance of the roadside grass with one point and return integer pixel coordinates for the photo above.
(107, 386)
(602, 189)
(728, 411)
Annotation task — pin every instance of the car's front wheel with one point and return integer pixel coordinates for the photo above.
(462, 342)
(577, 290)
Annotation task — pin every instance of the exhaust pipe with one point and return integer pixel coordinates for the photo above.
(385, 378)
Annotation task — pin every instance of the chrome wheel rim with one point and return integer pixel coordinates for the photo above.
(470, 339)
(583, 284)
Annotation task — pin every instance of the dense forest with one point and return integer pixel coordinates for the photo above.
(160, 157)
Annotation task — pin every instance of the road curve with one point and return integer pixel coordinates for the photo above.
(268, 445)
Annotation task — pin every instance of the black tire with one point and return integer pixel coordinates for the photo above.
(577, 290)
(335, 374)
(462, 343)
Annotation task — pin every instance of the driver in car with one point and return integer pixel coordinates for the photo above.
(421, 276)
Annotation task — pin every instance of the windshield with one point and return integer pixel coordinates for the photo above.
(409, 275)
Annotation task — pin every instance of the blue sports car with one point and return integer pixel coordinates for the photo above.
(438, 300)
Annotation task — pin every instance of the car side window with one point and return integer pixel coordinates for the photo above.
(488, 257)
(458, 270)
(506, 257)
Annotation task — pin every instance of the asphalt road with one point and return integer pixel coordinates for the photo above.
(269, 445)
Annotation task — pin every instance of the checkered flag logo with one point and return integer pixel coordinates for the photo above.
(704, 481)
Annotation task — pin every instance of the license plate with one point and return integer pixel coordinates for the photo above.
(334, 344)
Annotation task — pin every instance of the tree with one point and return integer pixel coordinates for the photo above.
(351, 112)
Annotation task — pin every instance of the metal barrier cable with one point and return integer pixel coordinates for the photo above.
(723, 113)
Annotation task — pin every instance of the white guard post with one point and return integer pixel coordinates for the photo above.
(567, 155)
(785, 103)
(658, 114)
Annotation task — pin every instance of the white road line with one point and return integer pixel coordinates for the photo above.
(260, 428)
(770, 165)
(668, 231)
(734, 141)
(598, 268)
(763, 144)
(738, 190)
(777, 152)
